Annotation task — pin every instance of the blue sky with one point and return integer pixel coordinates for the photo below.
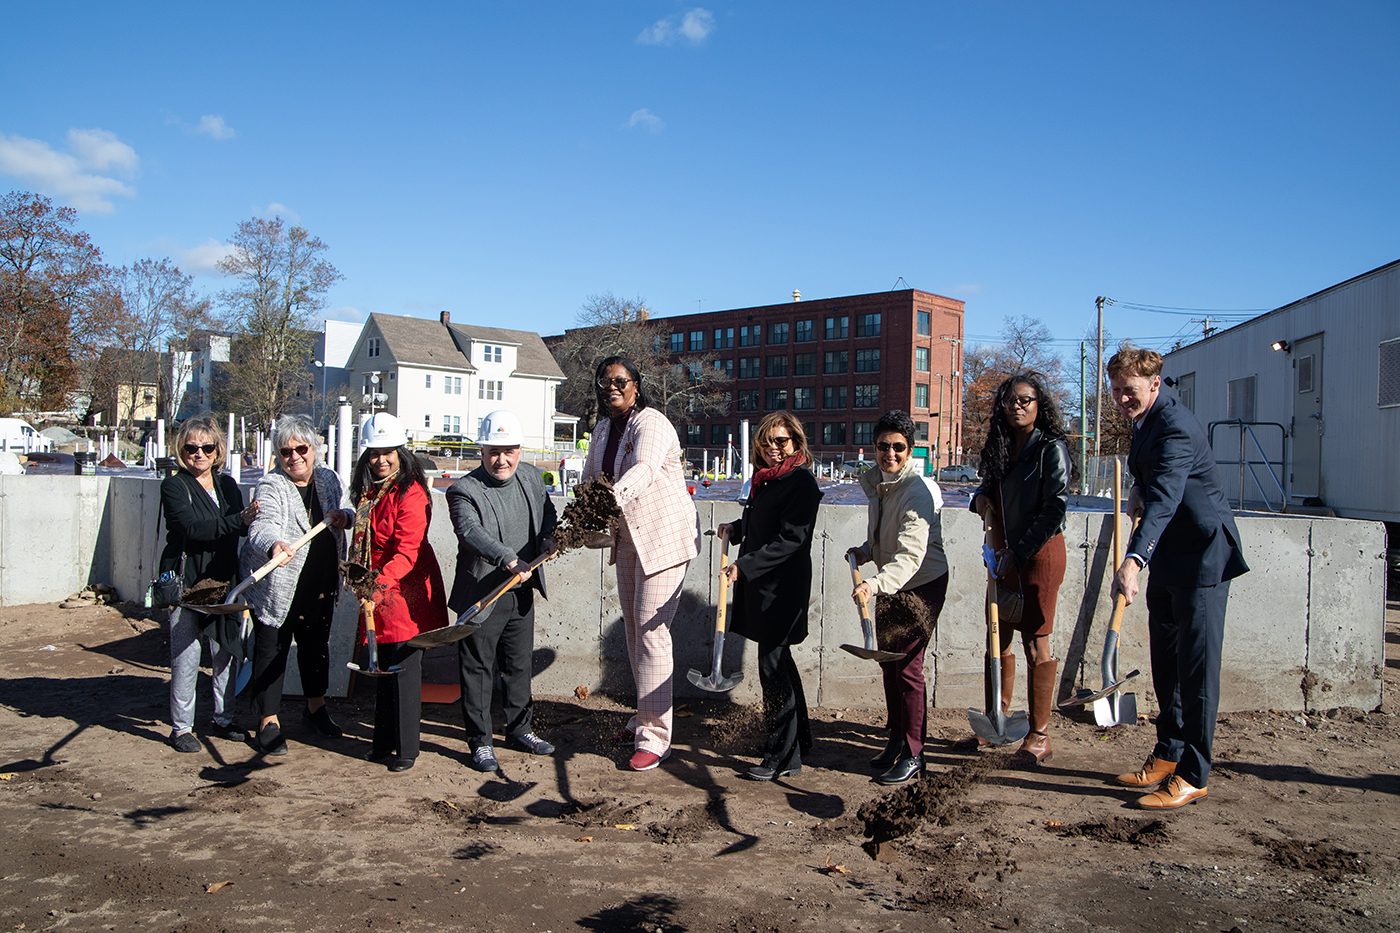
(505, 161)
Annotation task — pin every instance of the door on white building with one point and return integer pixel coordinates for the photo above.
(1305, 479)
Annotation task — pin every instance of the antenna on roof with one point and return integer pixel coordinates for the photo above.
(897, 281)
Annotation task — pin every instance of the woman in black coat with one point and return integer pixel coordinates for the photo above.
(772, 580)
(204, 518)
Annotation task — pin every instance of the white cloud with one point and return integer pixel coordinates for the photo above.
(345, 313)
(646, 120)
(214, 127)
(692, 27)
(204, 258)
(81, 177)
(278, 209)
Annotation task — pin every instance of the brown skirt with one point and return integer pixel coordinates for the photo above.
(1039, 581)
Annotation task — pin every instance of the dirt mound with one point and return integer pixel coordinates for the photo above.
(900, 615)
(1145, 832)
(593, 510)
(688, 824)
(933, 798)
(471, 812)
(600, 811)
(1321, 857)
(205, 593)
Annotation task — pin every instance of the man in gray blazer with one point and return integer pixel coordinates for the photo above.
(503, 521)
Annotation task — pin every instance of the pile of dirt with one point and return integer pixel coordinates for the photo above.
(932, 798)
(363, 581)
(688, 824)
(900, 615)
(1321, 857)
(205, 593)
(1146, 832)
(599, 811)
(741, 730)
(593, 510)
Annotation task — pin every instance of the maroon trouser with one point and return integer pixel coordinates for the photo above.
(906, 693)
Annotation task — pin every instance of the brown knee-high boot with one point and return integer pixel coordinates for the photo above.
(1036, 747)
(1008, 683)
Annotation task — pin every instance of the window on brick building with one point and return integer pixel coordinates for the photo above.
(863, 434)
(921, 359)
(834, 362)
(776, 400)
(833, 396)
(748, 400)
(867, 396)
(750, 335)
(804, 364)
(867, 361)
(868, 325)
(678, 343)
(724, 338)
(925, 323)
(697, 340)
(804, 397)
(834, 434)
(778, 333)
(920, 395)
(694, 435)
(838, 328)
(726, 367)
(802, 332)
(921, 431)
(777, 366)
(719, 434)
(748, 367)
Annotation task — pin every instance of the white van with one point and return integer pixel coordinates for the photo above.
(17, 435)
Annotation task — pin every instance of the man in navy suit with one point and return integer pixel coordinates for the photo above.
(1188, 535)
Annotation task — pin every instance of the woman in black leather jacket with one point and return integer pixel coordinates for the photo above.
(1026, 474)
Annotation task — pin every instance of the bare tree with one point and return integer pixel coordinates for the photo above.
(55, 302)
(613, 326)
(281, 281)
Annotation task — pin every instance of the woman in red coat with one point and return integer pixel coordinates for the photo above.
(409, 596)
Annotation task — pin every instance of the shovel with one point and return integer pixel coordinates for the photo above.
(1111, 707)
(371, 647)
(994, 726)
(464, 626)
(716, 683)
(867, 627)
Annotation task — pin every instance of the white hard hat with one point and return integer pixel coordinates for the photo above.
(382, 430)
(501, 429)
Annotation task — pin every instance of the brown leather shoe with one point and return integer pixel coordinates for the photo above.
(1154, 771)
(1036, 748)
(1174, 793)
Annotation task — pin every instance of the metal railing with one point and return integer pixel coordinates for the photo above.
(1246, 429)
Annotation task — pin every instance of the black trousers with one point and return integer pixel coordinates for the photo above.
(784, 706)
(505, 642)
(312, 630)
(1186, 626)
(398, 701)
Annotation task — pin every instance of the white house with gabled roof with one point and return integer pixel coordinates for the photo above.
(443, 378)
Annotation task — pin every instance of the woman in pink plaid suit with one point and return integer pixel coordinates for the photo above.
(636, 446)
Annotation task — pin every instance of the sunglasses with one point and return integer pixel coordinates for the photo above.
(300, 450)
(619, 383)
(897, 447)
(192, 449)
(1021, 401)
(779, 442)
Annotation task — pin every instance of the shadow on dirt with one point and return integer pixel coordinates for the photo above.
(647, 912)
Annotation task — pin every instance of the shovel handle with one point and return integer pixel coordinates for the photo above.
(1117, 514)
(720, 610)
(993, 619)
(867, 625)
(271, 565)
(481, 605)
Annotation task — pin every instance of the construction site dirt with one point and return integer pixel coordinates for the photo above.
(106, 827)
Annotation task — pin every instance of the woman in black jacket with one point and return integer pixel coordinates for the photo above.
(1026, 473)
(204, 518)
(772, 580)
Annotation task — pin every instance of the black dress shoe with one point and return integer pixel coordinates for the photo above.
(401, 764)
(268, 740)
(905, 768)
(894, 748)
(766, 772)
(378, 757)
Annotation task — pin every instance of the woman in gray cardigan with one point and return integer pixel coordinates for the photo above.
(297, 600)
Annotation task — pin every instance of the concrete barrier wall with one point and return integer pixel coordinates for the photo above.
(1312, 605)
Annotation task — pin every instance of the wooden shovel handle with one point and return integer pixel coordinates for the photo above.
(1117, 514)
(723, 580)
(481, 605)
(1121, 602)
(271, 565)
(855, 582)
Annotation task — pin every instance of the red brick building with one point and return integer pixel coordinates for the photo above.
(837, 364)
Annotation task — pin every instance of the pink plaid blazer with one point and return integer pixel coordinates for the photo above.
(650, 489)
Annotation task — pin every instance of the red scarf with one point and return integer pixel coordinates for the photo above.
(764, 475)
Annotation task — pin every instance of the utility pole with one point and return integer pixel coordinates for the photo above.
(954, 382)
(1083, 425)
(1098, 379)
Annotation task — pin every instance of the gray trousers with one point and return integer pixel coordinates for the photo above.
(186, 633)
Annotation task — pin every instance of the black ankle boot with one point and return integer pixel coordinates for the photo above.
(894, 747)
(906, 767)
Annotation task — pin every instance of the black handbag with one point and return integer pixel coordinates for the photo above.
(164, 591)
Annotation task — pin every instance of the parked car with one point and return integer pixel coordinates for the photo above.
(18, 435)
(958, 473)
(853, 468)
(453, 445)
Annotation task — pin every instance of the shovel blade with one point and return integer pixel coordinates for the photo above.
(872, 654)
(714, 684)
(373, 672)
(1126, 714)
(217, 609)
(1084, 697)
(1014, 727)
(437, 637)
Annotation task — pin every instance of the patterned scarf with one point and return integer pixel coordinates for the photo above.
(362, 540)
(773, 472)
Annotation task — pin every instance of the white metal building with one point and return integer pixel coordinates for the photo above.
(1317, 382)
(443, 378)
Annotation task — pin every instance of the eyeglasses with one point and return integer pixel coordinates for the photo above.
(619, 383)
(300, 450)
(778, 442)
(897, 447)
(192, 449)
(1021, 401)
